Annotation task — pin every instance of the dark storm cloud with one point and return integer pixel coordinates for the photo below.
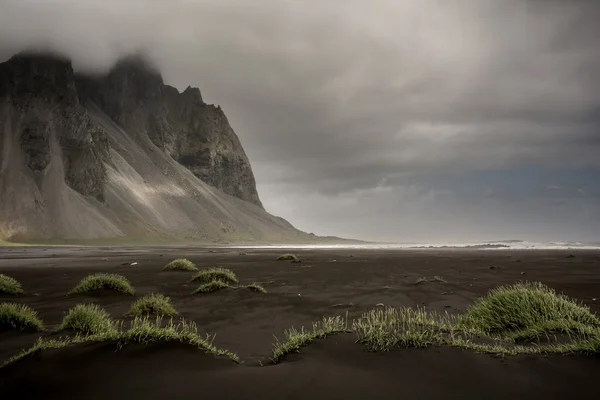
(354, 108)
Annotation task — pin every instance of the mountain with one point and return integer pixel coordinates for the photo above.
(121, 155)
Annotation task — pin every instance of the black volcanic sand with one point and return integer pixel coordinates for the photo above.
(326, 283)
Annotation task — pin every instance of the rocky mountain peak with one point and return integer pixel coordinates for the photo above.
(41, 76)
(193, 94)
(193, 133)
(86, 156)
(135, 76)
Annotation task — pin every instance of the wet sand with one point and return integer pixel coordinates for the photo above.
(327, 283)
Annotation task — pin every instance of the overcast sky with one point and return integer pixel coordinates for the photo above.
(396, 120)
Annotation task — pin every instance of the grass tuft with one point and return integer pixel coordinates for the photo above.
(143, 330)
(255, 287)
(288, 257)
(19, 316)
(181, 264)
(102, 281)
(434, 279)
(295, 339)
(212, 286)
(589, 346)
(525, 311)
(491, 325)
(140, 331)
(223, 275)
(88, 319)
(39, 345)
(10, 285)
(153, 303)
(383, 329)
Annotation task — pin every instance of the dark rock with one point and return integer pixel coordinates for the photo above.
(195, 134)
(33, 83)
(45, 77)
(85, 150)
(35, 144)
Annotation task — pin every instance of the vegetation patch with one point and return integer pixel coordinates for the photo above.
(144, 330)
(141, 331)
(10, 285)
(102, 281)
(88, 319)
(383, 329)
(181, 264)
(295, 339)
(434, 279)
(255, 287)
(212, 286)
(222, 275)
(288, 257)
(525, 311)
(492, 325)
(589, 346)
(153, 303)
(19, 316)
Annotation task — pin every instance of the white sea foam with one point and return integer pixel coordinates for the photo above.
(499, 245)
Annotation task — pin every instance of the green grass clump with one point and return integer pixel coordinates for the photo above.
(434, 279)
(589, 346)
(39, 345)
(102, 281)
(143, 330)
(383, 329)
(528, 310)
(255, 287)
(19, 316)
(153, 303)
(223, 275)
(288, 257)
(140, 331)
(212, 286)
(88, 319)
(10, 285)
(181, 264)
(295, 339)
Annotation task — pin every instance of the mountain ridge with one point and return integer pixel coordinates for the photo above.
(121, 155)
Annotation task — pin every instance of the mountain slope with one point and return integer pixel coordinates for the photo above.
(120, 155)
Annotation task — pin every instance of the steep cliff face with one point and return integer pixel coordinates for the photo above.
(45, 109)
(120, 155)
(195, 134)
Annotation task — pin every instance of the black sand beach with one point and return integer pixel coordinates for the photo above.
(326, 283)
